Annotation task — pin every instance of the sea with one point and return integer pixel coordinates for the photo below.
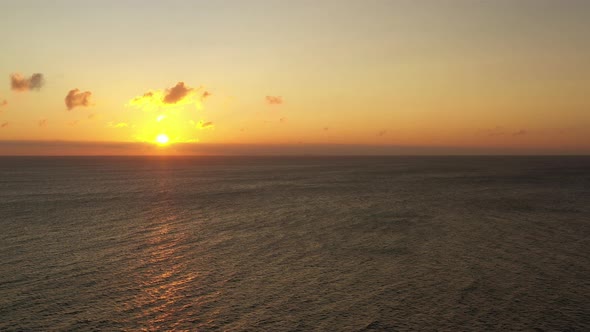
(400, 243)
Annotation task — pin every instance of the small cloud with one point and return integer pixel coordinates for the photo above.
(91, 116)
(274, 100)
(281, 120)
(160, 118)
(177, 93)
(4, 125)
(205, 94)
(18, 82)
(326, 128)
(73, 123)
(3, 103)
(520, 133)
(43, 123)
(382, 133)
(204, 125)
(76, 98)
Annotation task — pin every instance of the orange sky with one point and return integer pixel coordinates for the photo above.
(336, 77)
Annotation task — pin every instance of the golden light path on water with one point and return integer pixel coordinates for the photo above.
(170, 292)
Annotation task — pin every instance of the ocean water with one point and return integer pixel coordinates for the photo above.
(295, 244)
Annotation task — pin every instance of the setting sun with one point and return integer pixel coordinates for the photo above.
(162, 139)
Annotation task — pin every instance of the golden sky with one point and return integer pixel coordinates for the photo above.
(334, 76)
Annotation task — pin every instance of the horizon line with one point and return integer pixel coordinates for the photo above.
(122, 148)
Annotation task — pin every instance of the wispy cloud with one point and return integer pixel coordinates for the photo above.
(202, 124)
(18, 82)
(4, 103)
(502, 131)
(73, 123)
(42, 123)
(496, 131)
(520, 132)
(4, 124)
(382, 133)
(77, 98)
(274, 100)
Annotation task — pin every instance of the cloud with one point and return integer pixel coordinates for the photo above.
(178, 95)
(91, 116)
(4, 125)
(274, 100)
(3, 103)
(18, 82)
(281, 120)
(520, 133)
(43, 123)
(382, 133)
(326, 128)
(76, 98)
(205, 94)
(73, 123)
(202, 125)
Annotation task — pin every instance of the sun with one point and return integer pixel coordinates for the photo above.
(162, 139)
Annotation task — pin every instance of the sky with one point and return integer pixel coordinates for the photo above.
(295, 77)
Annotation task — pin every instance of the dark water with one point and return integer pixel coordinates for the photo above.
(295, 244)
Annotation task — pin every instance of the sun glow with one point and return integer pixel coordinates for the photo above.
(162, 139)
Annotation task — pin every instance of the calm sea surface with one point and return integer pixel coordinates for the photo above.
(295, 244)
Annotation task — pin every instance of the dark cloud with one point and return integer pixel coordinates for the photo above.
(326, 128)
(4, 125)
(204, 125)
(382, 133)
(177, 93)
(3, 103)
(520, 133)
(43, 123)
(77, 98)
(274, 100)
(18, 82)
